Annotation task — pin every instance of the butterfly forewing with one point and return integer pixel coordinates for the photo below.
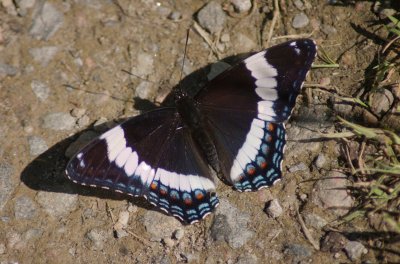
(245, 107)
(152, 155)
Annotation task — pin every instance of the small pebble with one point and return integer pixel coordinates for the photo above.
(23, 6)
(298, 167)
(315, 221)
(2, 248)
(83, 121)
(132, 208)
(320, 161)
(37, 145)
(43, 55)
(24, 208)
(325, 81)
(274, 209)
(303, 197)
(212, 17)
(241, 6)
(46, 22)
(175, 16)
(59, 121)
(57, 204)
(7, 183)
(7, 70)
(299, 5)
(98, 237)
(78, 112)
(225, 37)
(300, 20)
(40, 89)
(355, 250)
(168, 242)
(179, 234)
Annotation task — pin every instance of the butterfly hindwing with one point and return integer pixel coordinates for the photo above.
(245, 107)
(151, 155)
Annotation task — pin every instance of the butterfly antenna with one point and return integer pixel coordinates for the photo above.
(184, 58)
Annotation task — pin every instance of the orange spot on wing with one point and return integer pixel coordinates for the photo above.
(199, 196)
(187, 201)
(153, 186)
(263, 165)
(251, 171)
(163, 192)
(271, 127)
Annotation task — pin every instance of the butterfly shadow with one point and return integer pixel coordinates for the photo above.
(47, 171)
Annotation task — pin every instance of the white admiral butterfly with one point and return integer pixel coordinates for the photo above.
(234, 125)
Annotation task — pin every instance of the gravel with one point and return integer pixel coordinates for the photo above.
(43, 55)
(40, 89)
(212, 17)
(59, 121)
(273, 208)
(315, 221)
(330, 192)
(298, 167)
(165, 227)
(37, 145)
(300, 20)
(97, 237)
(57, 204)
(247, 258)
(333, 242)
(241, 6)
(355, 250)
(320, 161)
(230, 225)
(47, 20)
(297, 251)
(24, 208)
(7, 70)
(6, 183)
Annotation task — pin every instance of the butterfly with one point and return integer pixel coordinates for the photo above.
(234, 125)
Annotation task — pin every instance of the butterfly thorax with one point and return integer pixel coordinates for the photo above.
(190, 113)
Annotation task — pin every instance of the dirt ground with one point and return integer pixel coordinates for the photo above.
(64, 73)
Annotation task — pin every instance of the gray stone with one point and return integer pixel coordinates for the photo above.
(97, 238)
(59, 121)
(82, 140)
(247, 258)
(175, 16)
(43, 55)
(57, 204)
(320, 161)
(47, 20)
(298, 251)
(32, 234)
(381, 101)
(83, 121)
(179, 234)
(328, 29)
(333, 242)
(23, 6)
(7, 70)
(145, 90)
(165, 227)
(355, 250)
(241, 5)
(168, 242)
(145, 65)
(299, 5)
(230, 225)
(6, 183)
(78, 112)
(330, 192)
(24, 208)
(314, 221)
(300, 20)
(274, 209)
(40, 89)
(2, 248)
(37, 145)
(298, 167)
(212, 17)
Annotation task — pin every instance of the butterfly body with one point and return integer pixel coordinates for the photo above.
(233, 125)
